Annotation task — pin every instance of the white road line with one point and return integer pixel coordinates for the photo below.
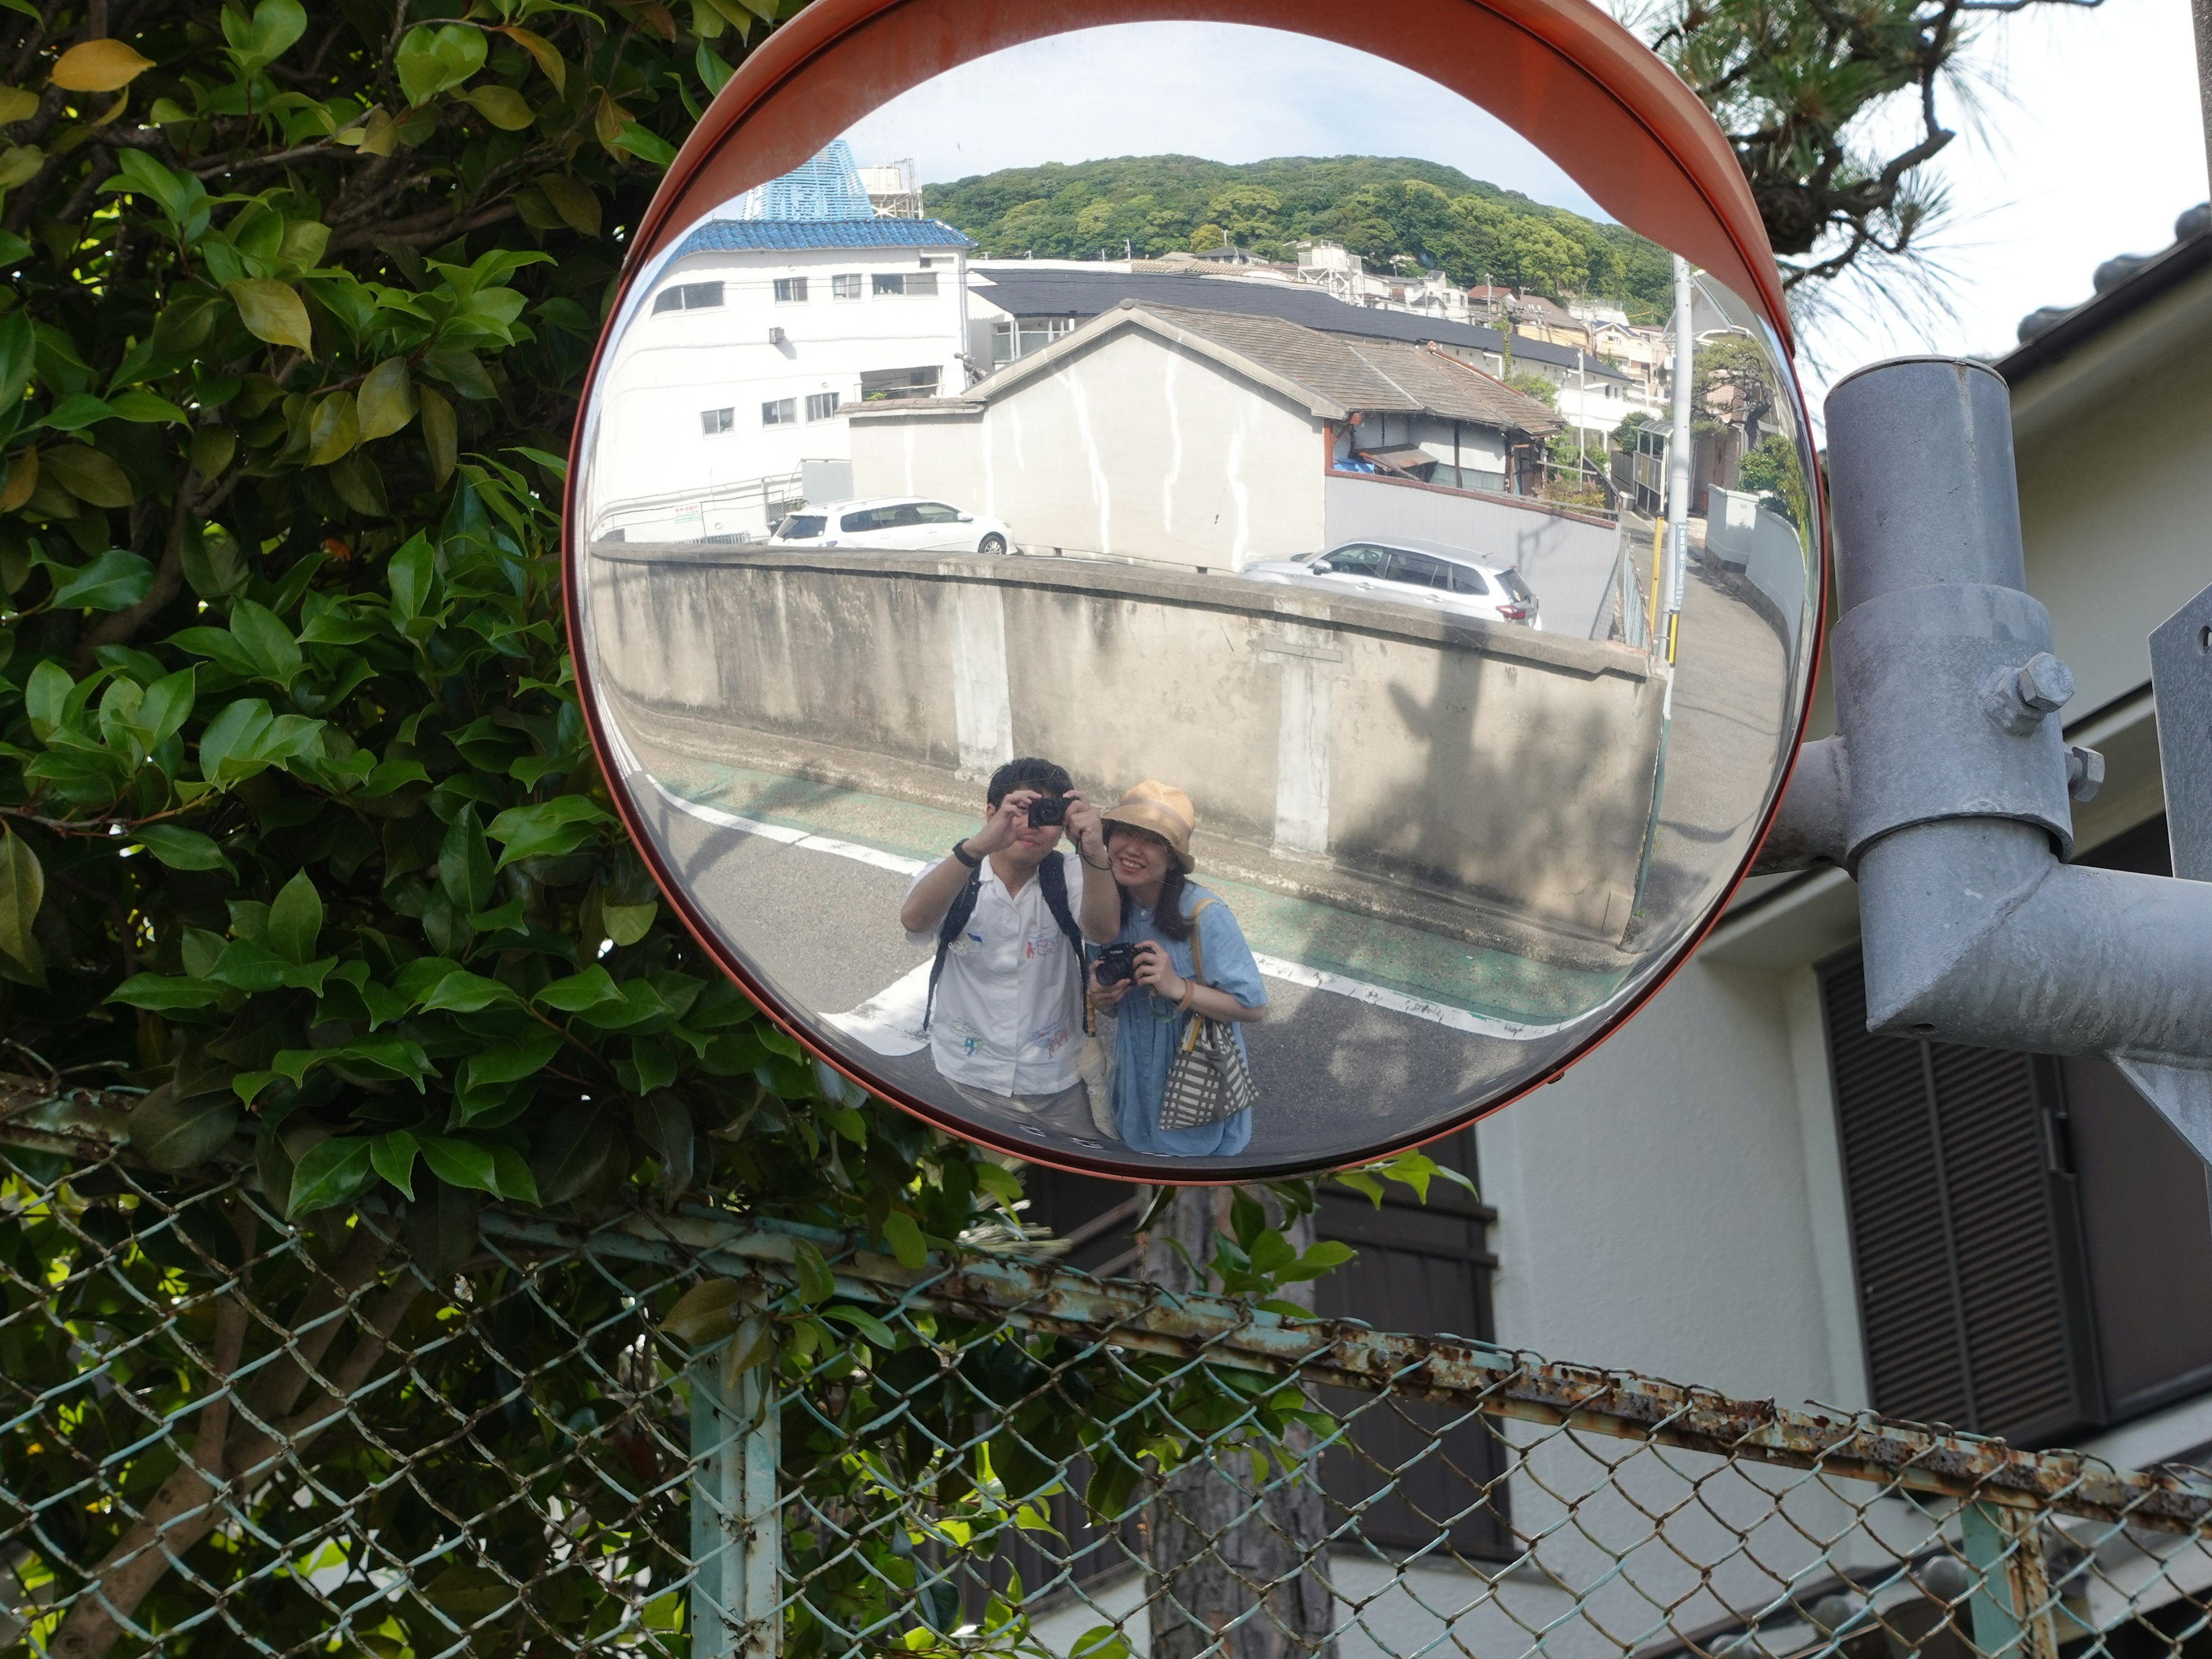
(881, 1019)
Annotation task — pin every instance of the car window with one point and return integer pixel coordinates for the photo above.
(1352, 561)
(854, 523)
(903, 517)
(1466, 579)
(801, 526)
(935, 512)
(1417, 570)
(1511, 582)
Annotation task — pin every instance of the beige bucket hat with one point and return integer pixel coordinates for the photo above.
(1162, 809)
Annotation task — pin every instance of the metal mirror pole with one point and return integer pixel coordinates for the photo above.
(1678, 462)
(1946, 791)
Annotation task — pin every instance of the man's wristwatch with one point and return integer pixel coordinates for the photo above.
(960, 851)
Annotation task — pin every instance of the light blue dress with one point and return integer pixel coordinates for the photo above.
(1150, 1032)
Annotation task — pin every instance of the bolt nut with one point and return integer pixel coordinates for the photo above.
(2046, 683)
(2085, 773)
(2019, 700)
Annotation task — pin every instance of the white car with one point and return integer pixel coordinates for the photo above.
(1449, 579)
(902, 524)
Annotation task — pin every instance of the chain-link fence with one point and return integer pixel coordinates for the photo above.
(478, 1432)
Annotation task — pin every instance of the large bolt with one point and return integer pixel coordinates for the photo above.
(2085, 772)
(2046, 683)
(2018, 700)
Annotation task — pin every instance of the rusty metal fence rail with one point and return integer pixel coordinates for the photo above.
(460, 1433)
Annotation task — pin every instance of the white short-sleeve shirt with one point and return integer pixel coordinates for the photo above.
(1009, 1011)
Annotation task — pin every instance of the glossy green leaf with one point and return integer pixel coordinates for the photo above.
(272, 311)
(386, 402)
(91, 477)
(547, 829)
(504, 107)
(296, 920)
(114, 581)
(183, 849)
(163, 992)
(904, 1236)
(333, 1172)
(392, 1154)
(460, 1162)
(22, 890)
(463, 993)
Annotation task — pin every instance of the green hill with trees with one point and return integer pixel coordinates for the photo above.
(1419, 214)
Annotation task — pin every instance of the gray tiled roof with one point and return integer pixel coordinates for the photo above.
(1057, 293)
(1368, 376)
(1382, 376)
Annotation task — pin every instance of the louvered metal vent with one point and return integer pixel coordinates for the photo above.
(1962, 1226)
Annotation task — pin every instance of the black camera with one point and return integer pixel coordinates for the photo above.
(1048, 810)
(1117, 964)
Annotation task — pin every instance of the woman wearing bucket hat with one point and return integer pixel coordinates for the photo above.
(1163, 915)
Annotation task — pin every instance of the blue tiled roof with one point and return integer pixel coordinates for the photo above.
(728, 236)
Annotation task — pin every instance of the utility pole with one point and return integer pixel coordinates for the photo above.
(1677, 460)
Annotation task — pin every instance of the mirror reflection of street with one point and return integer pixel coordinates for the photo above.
(1190, 706)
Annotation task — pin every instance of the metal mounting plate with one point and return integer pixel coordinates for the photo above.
(2181, 683)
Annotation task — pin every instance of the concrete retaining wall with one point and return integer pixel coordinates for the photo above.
(1745, 536)
(1362, 742)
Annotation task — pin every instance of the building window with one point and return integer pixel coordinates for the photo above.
(910, 283)
(780, 411)
(845, 288)
(687, 297)
(713, 420)
(790, 290)
(876, 385)
(1011, 340)
(821, 405)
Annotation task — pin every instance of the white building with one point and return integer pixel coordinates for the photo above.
(759, 335)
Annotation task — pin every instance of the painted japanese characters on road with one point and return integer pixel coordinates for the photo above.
(1174, 647)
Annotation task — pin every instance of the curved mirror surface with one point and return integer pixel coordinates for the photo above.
(1246, 463)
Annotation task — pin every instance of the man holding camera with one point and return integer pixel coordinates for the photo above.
(1008, 910)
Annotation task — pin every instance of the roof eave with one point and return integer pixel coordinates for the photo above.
(2080, 327)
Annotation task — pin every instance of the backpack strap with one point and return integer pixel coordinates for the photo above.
(956, 918)
(1052, 877)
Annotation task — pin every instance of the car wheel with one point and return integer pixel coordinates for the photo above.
(992, 544)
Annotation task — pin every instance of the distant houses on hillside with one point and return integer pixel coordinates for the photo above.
(825, 292)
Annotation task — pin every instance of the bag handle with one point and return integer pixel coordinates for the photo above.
(1197, 972)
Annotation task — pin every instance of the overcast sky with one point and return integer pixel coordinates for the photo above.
(2085, 143)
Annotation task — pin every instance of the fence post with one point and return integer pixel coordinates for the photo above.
(2010, 1602)
(736, 1528)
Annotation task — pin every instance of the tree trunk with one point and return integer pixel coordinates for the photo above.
(1235, 1554)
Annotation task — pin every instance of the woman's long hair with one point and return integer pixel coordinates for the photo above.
(1167, 914)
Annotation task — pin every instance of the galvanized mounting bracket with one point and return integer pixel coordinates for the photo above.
(1946, 791)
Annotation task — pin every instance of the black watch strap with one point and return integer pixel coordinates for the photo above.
(960, 851)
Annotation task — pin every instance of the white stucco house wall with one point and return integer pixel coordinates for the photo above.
(757, 340)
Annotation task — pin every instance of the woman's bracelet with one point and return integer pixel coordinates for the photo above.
(1190, 991)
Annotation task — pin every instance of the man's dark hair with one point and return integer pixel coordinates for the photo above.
(1030, 772)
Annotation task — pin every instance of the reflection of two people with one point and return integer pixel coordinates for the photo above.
(1009, 910)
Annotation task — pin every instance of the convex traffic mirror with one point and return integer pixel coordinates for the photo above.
(1128, 584)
